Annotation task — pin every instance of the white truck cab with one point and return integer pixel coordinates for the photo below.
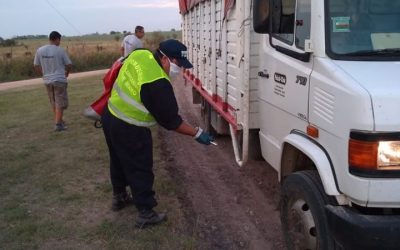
(319, 82)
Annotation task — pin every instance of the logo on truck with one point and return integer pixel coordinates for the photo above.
(279, 78)
(301, 80)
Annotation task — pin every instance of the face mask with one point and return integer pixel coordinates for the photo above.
(174, 70)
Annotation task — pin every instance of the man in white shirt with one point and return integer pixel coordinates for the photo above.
(132, 42)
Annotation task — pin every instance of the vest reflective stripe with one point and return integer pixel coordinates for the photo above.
(129, 100)
(121, 116)
(129, 113)
(125, 102)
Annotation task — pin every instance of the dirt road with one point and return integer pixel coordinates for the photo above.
(226, 207)
(29, 82)
(230, 208)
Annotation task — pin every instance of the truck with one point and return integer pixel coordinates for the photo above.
(313, 87)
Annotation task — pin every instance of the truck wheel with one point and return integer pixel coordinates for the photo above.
(303, 215)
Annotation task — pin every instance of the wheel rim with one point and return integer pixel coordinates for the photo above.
(301, 226)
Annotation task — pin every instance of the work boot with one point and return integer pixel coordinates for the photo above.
(121, 200)
(148, 217)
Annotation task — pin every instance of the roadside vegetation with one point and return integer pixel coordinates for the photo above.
(55, 191)
(88, 52)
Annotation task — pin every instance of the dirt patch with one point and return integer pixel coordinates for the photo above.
(37, 81)
(226, 207)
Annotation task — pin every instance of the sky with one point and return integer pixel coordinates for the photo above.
(80, 17)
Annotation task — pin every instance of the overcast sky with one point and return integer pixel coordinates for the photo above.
(79, 17)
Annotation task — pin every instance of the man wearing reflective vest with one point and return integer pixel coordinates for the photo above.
(142, 96)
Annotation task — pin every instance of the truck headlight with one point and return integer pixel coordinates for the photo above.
(371, 154)
(389, 155)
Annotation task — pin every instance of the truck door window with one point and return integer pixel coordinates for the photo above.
(283, 20)
(303, 22)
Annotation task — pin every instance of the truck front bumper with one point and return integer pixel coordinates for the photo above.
(358, 231)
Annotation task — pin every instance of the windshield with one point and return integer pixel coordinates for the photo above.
(363, 29)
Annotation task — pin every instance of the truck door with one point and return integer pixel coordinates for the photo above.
(284, 74)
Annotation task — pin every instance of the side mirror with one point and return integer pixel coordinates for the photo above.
(261, 11)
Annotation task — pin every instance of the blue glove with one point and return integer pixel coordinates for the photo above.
(203, 137)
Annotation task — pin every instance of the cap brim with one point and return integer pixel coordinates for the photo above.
(183, 62)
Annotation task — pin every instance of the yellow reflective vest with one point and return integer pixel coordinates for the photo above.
(125, 103)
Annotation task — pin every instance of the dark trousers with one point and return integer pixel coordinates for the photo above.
(131, 159)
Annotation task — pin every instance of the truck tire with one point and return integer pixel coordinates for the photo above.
(303, 215)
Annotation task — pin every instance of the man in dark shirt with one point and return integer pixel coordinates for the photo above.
(142, 96)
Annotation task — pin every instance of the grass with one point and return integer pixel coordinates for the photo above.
(86, 53)
(55, 191)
